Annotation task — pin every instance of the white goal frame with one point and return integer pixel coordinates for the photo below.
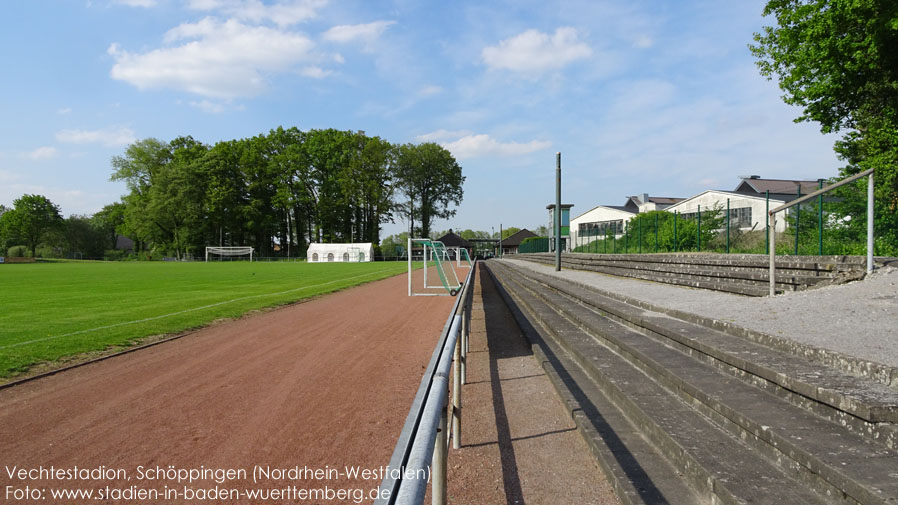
(230, 251)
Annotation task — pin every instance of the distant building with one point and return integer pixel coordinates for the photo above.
(755, 185)
(123, 243)
(609, 220)
(565, 232)
(749, 201)
(510, 244)
(451, 239)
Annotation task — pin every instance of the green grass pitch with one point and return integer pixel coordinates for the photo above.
(52, 310)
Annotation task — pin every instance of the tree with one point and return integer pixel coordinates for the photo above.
(32, 217)
(507, 232)
(108, 223)
(432, 181)
(838, 60)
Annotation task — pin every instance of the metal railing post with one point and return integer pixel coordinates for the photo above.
(676, 218)
(456, 396)
(870, 224)
(820, 219)
(438, 465)
(698, 234)
(464, 340)
(728, 226)
(771, 234)
(767, 212)
(797, 220)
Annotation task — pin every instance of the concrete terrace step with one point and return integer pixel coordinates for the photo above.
(676, 445)
(845, 393)
(771, 402)
(734, 286)
(741, 274)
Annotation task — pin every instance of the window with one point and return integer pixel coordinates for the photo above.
(741, 217)
(330, 256)
(601, 228)
(346, 257)
(314, 256)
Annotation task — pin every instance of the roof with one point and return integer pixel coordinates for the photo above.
(780, 186)
(665, 199)
(658, 200)
(563, 206)
(453, 240)
(517, 238)
(621, 208)
(773, 197)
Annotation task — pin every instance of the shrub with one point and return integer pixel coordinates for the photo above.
(114, 255)
(18, 251)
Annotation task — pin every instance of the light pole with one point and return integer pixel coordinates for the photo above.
(558, 212)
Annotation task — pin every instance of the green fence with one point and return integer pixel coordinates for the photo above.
(821, 226)
(534, 245)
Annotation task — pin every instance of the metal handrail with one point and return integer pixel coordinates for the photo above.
(427, 414)
(771, 221)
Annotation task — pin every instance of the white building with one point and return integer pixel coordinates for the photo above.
(599, 221)
(747, 212)
(348, 253)
(609, 220)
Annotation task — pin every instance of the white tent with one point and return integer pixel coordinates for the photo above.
(348, 253)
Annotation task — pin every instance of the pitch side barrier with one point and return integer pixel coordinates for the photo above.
(422, 449)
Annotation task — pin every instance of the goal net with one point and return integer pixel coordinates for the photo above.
(430, 270)
(229, 253)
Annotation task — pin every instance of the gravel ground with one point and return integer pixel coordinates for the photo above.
(859, 319)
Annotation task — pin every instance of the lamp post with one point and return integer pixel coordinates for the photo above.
(558, 212)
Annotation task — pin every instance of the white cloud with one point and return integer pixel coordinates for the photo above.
(281, 13)
(534, 52)
(467, 145)
(214, 59)
(439, 135)
(366, 33)
(339, 58)
(42, 153)
(63, 111)
(137, 3)
(110, 137)
(430, 90)
(643, 42)
(315, 72)
(209, 107)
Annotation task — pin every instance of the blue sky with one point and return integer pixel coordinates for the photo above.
(658, 97)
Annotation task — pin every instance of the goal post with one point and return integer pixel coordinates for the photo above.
(229, 252)
(434, 275)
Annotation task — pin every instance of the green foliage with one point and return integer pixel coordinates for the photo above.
(432, 182)
(17, 251)
(507, 232)
(394, 245)
(838, 60)
(31, 219)
(286, 189)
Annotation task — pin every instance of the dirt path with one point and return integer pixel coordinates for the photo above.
(318, 386)
(518, 445)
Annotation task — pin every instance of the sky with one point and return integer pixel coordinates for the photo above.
(654, 97)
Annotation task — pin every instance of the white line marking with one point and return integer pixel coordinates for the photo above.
(17, 344)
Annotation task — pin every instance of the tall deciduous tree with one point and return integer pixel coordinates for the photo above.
(838, 60)
(432, 181)
(31, 218)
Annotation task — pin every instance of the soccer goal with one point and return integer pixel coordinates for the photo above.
(229, 253)
(430, 271)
